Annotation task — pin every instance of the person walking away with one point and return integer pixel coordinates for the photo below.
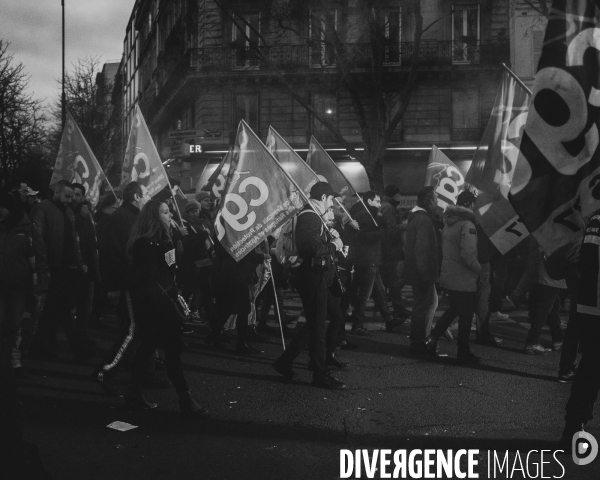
(543, 307)
(422, 266)
(460, 272)
(392, 252)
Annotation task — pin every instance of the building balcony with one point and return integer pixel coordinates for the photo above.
(290, 58)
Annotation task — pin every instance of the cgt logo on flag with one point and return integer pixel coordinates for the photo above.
(584, 447)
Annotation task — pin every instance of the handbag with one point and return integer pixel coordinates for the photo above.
(181, 307)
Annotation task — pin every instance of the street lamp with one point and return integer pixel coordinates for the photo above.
(62, 3)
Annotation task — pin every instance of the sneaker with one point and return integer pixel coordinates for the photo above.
(496, 316)
(466, 357)
(360, 331)
(335, 361)
(244, 349)
(328, 381)
(394, 323)
(431, 346)
(536, 349)
(284, 369)
(556, 346)
(566, 377)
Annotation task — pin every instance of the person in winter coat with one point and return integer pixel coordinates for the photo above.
(22, 262)
(152, 253)
(393, 256)
(56, 222)
(543, 307)
(460, 272)
(366, 253)
(422, 266)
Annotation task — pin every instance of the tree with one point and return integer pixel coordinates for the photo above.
(357, 48)
(22, 132)
(88, 100)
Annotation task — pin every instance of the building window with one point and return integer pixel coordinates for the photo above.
(245, 39)
(465, 113)
(465, 33)
(393, 35)
(246, 107)
(321, 40)
(326, 105)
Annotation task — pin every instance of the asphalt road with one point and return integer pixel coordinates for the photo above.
(260, 427)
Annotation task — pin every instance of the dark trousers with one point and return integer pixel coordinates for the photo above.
(570, 347)
(83, 305)
(170, 340)
(391, 280)
(543, 306)
(12, 306)
(586, 384)
(425, 303)
(232, 298)
(60, 302)
(336, 321)
(313, 291)
(462, 304)
(200, 288)
(368, 281)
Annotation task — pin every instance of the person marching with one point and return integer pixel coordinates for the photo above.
(151, 251)
(312, 279)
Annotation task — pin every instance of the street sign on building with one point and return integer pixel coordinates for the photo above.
(176, 151)
(185, 134)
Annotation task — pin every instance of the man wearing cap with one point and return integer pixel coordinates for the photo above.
(312, 280)
(21, 191)
(393, 256)
(460, 272)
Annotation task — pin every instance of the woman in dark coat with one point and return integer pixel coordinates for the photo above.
(152, 253)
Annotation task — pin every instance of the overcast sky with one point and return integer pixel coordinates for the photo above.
(33, 28)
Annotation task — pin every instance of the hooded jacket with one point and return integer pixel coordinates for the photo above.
(421, 249)
(460, 267)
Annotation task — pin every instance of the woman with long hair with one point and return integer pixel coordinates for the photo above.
(151, 250)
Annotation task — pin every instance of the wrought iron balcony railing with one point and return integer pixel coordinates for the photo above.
(297, 57)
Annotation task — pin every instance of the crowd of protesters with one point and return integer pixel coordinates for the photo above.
(61, 262)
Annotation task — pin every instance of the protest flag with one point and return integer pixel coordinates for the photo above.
(216, 182)
(262, 195)
(76, 162)
(291, 162)
(445, 177)
(494, 160)
(322, 164)
(555, 184)
(142, 163)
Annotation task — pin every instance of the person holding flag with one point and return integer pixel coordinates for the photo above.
(312, 279)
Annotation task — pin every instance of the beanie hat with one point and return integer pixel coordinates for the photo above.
(391, 190)
(192, 204)
(201, 195)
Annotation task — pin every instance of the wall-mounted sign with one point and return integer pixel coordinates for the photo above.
(176, 151)
(185, 134)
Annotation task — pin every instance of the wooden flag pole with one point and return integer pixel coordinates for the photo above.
(270, 270)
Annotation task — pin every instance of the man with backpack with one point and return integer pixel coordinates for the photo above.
(312, 279)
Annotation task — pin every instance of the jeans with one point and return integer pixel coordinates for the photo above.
(462, 304)
(543, 305)
(586, 384)
(424, 305)
(12, 305)
(368, 281)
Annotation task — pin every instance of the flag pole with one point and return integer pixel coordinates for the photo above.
(344, 209)
(517, 79)
(270, 270)
(345, 178)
